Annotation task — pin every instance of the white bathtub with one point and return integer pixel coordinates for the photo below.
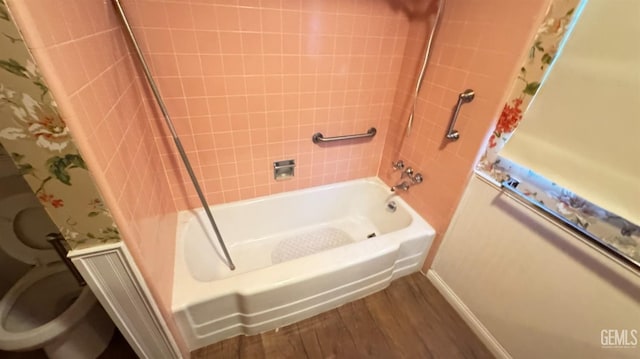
(297, 254)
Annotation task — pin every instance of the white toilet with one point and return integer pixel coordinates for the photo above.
(46, 308)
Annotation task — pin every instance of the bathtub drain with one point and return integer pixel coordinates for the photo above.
(392, 206)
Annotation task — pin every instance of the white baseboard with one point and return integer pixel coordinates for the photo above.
(113, 277)
(467, 315)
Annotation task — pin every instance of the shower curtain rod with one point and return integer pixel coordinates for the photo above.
(174, 134)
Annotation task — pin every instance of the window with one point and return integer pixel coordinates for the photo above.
(581, 128)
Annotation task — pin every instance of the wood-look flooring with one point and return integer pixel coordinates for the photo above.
(409, 319)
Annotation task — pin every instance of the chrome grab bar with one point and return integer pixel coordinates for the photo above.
(318, 137)
(511, 184)
(464, 97)
(56, 240)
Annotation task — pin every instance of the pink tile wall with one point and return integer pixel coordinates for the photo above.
(479, 45)
(81, 51)
(249, 83)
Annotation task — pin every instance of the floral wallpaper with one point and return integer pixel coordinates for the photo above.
(619, 233)
(36, 137)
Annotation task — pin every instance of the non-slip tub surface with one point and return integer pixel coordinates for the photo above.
(311, 242)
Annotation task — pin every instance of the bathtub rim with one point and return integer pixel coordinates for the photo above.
(186, 214)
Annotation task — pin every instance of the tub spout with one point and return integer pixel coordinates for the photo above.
(404, 185)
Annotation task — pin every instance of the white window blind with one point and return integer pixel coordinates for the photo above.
(582, 129)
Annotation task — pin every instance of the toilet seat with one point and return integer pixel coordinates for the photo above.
(36, 336)
(64, 319)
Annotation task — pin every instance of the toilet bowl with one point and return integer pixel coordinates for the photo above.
(46, 308)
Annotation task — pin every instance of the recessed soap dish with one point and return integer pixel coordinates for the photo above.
(283, 170)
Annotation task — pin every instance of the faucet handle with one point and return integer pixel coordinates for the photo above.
(398, 165)
(409, 172)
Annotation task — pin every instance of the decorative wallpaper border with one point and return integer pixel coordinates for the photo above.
(611, 228)
(35, 135)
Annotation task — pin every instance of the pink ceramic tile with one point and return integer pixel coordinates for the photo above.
(150, 14)
(208, 42)
(67, 57)
(76, 20)
(223, 139)
(197, 106)
(177, 107)
(179, 16)
(157, 40)
(272, 44)
(251, 43)
(204, 16)
(189, 65)
(201, 125)
(212, 66)
(164, 65)
(204, 141)
(233, 65)
(184, 42)
(228, 18)
(250, 20)
(170, 87)
(275, 21)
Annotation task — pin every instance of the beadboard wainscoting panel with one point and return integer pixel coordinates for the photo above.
(111, 274)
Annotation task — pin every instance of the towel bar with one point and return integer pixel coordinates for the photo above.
(511, 184)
